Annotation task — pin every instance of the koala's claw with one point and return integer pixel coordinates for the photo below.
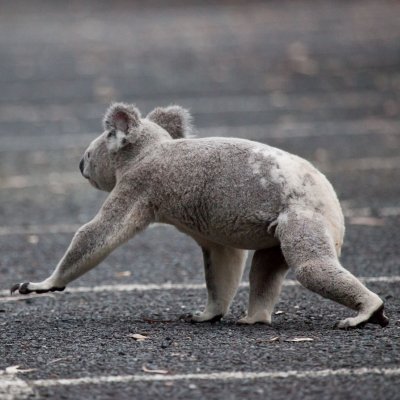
(204, 317)
(23, 289)
(378, 317)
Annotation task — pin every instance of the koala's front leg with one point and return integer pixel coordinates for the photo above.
(116, 222)
(223, 267)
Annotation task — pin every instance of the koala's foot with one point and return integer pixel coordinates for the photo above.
(205, 316)
(27, 287)
(375, 317)
(261, 317)
(268, 270)
(223, 267)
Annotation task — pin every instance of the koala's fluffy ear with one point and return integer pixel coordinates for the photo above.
(121, 117)
(176, 120)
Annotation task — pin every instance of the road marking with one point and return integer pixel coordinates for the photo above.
(145, 287)
(38, 229)
(364, 212)
(225, 376)
(46, 143)
(303, 130)
(390, 211)
(51, 179)
(74, 178)
(51, 229)
(367, 164)
(13, 388)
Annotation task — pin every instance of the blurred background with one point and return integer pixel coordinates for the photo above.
(320, 79)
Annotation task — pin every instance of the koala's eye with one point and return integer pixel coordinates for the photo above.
(88, 154)
(110, 134)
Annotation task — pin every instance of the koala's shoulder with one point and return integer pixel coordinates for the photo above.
(203, 151)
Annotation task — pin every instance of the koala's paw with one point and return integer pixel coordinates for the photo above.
(205, 317)
(259, 317)
(252, 321)
(377, 317)
(26, 288)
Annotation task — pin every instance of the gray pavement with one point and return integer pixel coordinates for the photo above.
(320, 79)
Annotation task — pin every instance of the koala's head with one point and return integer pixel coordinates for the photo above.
(125, 135)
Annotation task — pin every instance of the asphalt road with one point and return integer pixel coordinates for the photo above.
(319, 79)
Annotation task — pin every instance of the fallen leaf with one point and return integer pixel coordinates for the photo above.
(154, 371)
(33, 239)
(58, 360)
(153, 321)
(122, 274)
(138, 337)
(271, 340)
(14, 369)
(300, 339)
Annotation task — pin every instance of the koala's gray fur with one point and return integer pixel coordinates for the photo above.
(230, 195)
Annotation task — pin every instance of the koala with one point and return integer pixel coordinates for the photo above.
(230, 195)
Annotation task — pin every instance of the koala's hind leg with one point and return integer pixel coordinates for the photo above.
(223, 267)
(309, 249)
(268, 270)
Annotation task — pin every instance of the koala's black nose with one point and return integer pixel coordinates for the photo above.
(81, 166)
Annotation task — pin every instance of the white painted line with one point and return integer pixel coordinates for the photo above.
(134, 287)
(303, 130)
(51, 179)
(369, 212)
(385, 279)
(366, 164)
(8, 299)
(51, 229)
(13, 388)
(389, 211)
(137, 287)
(196, 286)
(224, 376)
(38, 229)
(46, 143)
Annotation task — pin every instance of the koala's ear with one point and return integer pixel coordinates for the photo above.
(176, 120)
(121, 117)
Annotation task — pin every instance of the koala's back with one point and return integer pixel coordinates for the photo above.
(233, 190)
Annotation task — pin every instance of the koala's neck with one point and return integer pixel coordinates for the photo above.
(134, 152)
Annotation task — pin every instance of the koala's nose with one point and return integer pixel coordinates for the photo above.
(81, 166)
